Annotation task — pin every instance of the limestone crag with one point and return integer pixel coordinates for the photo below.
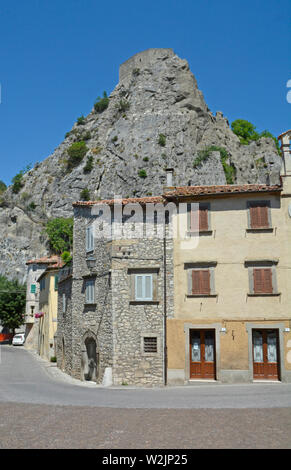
(156, 95)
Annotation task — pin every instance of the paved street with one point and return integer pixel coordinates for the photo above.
(40, 407)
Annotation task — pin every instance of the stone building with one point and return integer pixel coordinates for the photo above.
(114, 303)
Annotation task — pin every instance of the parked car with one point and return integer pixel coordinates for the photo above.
(19, 339)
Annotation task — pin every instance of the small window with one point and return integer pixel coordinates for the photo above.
(90, 291)
(150, 345)
(143, 287)
(89, 238)
(259, 215)
(201, 282)
(32, 288)
(42, 284)
(56, 282)
(199, 219)
(263, 281)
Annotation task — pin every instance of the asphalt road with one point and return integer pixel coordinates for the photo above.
(40, 407)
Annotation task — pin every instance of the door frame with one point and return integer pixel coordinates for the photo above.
(211, 326)
(264, 326)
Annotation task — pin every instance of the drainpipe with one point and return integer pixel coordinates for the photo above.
(165, 316)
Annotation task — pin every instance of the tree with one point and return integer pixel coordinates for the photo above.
(245, 131)
(3, 187)
(60, 233)
(12, 303)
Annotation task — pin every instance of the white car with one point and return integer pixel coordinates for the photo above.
(19, 339)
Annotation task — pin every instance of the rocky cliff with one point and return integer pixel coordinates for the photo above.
(156, 118)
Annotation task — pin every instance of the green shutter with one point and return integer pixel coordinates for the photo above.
(32, 288)
(56, 282)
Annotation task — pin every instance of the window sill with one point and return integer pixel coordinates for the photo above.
(201, 295)
(276, 294)
(88, 304)
(199, 232)
(262, 229)
(145, 302)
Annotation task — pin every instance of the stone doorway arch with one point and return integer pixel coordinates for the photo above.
(89, 360)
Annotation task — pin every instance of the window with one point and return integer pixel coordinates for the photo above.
(262, 277)
(89, 238)
(201, 281)
(32, 288)
(263, 281)
(200, 216)
(90, 291)
(56, 282)
(150, 344)
(259, 215)
(200, 278)
(143, 287)
(42, 284)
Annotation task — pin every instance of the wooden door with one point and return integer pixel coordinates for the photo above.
(266, 354)
(202, 354)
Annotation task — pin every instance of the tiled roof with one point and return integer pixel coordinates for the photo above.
(44, 260)
(184, 191)
(130, 200)
(221, 189)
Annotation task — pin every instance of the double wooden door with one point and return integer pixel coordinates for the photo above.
(202, 354)
(266, 359)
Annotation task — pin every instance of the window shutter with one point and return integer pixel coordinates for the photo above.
(56, 282)
(89, 238)
(195, 282)
(148, 287)
(259, 216)
(90, 292)
(203, 218)
(263, 281)
(201, 281)
(138, 287)
(150, 345)
(205, 282)
(144, 287)
(32, 288)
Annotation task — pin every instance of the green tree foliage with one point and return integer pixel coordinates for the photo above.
(142, 173)
(66, 257)
(247, 133)
(12, 303)
(101, 103)
(76, 153)
(17, 182)
(60, 234)
(229, 169)
(3, 187)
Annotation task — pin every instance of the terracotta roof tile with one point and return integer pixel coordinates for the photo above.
(184, 191)
(130, 200)
(44, 260)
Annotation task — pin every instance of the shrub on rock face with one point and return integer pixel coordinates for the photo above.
(162, 140)
(85, 194)
(81, 120)
(89, 165)
(142, 174)
(17, 183)
(76, 153)
(3, 187)
(101, 103)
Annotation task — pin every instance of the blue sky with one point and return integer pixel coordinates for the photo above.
(57, 56)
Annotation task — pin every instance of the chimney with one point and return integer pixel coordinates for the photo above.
(169, 173)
